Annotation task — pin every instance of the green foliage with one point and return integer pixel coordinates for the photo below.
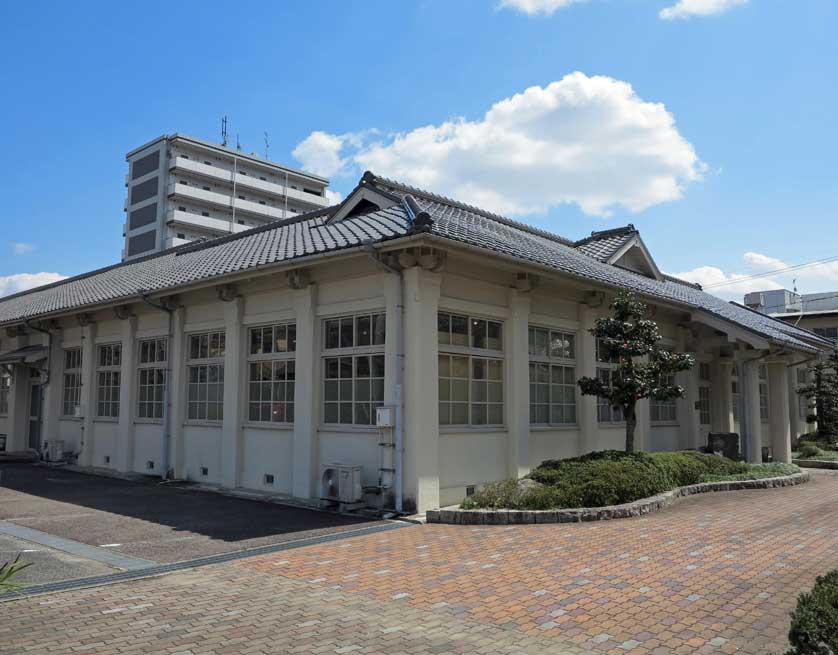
(814, 622)
(625, 337)
(8, 570)
(809, 451)
(613, 477)
(822, 394)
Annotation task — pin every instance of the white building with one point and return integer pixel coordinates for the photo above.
(256, 359)
(814, 311)
(180, 189)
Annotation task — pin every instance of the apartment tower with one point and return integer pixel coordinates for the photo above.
(180, 189)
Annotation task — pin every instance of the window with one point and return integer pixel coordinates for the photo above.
(734, 399)
(205, 213)
(71, 392)
(661, 411)
(764, 410)
(470, 383)
(552, 377)
(207, 188)
(353, 381)
(704, 372)
(455, 330)
(108, 362)
(151, 382)
(609, 372)
(205, 377)
(704, 405)
(4, 395)
(803, 409)
(271, 373)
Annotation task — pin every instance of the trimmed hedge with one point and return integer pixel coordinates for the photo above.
(613, 477)
(814, 622)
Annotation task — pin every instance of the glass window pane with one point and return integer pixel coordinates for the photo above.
(346, 413)
(330, 390)
(363, 328)
(478, 333)
(459, 330)
(345, 368)
(256, 341)
(495, 369)
(479, 369)
(459, 390)
(346, 333)
(478, 391)
(445, 390)
(362, 390)
(444, 414)
(459, 367)
(330, 414)
(280, 339)
(478, 415)
(495, 414)
(379, 329)
(345, 389)
(332, 367)
(378, 390)
(362, 367)
(459, 413)
(495, 390)
(292, 338)
(378, 366)
(332, 334)
(443, 326)
(444, 364)
(363, 414)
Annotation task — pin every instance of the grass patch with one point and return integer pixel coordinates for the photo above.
(614, 477)
(813, 450)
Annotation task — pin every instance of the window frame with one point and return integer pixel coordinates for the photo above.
(658, 406)
(764, 394)
(153, 365)
(70, 392)
(206, 363)
(562, 362)
(5, 389)
(272, 358)
(607, 369)
(485, 384)
(108, 380)
(352, 348)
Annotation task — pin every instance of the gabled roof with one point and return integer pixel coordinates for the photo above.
(603, 245)
(316, 233)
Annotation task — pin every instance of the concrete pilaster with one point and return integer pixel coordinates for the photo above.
(516, 344)
(421, 392)
(173, 451)
(51, 409)
(688, 415)
(128, 384)
(231, 427)
(304, 472)
(586, 363)
(751, 421)
(778, 425)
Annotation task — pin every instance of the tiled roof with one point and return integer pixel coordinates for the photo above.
(310, 234)
(602, 246)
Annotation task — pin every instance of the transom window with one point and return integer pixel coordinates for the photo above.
(704, 405)
(704, 371)
(108, 378)
(469, 332)
(552, 373)
(151, 378)
(71, 392)
(272, 373)
(661, 411)
(353, 380)
(764, 409)
(205, 376)
(355, 331)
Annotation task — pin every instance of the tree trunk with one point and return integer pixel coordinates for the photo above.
(631, 423)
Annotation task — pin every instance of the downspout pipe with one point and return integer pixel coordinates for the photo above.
(45, 373)
(167, 392)
(398, 432)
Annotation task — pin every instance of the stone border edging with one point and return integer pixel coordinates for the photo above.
(816, 463)
(626, 510)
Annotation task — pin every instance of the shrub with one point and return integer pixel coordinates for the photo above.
(613, 477)
(808, 450)
(814, 622)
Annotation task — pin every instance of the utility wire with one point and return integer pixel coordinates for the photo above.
(756, 276)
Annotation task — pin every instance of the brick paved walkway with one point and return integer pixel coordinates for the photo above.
(713, 574)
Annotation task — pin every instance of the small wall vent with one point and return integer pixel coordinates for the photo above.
(268, 478)
(204, 471)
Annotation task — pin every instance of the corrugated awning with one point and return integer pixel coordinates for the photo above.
(25, 355)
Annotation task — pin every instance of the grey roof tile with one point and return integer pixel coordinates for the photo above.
(310, 234)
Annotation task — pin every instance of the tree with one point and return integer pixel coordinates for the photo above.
(822, 393)
(632, 341)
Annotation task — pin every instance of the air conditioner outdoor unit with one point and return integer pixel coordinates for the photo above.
(341, 483)
(55, 451)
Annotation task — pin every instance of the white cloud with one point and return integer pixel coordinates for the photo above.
(535, 7)
(812, 279)
(590, 141)
(24, 281)
(23, 248)
(319, 153)
(690, 8)
(334, 197)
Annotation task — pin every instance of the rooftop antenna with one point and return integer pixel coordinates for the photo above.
(267, 145)
(238, 143)
(799, 318)
(224, 130)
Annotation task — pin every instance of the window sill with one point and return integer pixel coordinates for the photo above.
(456, 429)
(609, 424)
(106, 419)
(665, 424)
(74, 419)
(286, 427)
(206, 424)
(148, 421)
(552, 428)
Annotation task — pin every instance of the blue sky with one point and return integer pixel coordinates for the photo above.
(751, 91)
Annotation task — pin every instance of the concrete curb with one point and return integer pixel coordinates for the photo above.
(816, 463)
(637, 508)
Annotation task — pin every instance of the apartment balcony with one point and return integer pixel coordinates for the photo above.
(172, 242)
(203, 223)
(214, 199)
(226, 177)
